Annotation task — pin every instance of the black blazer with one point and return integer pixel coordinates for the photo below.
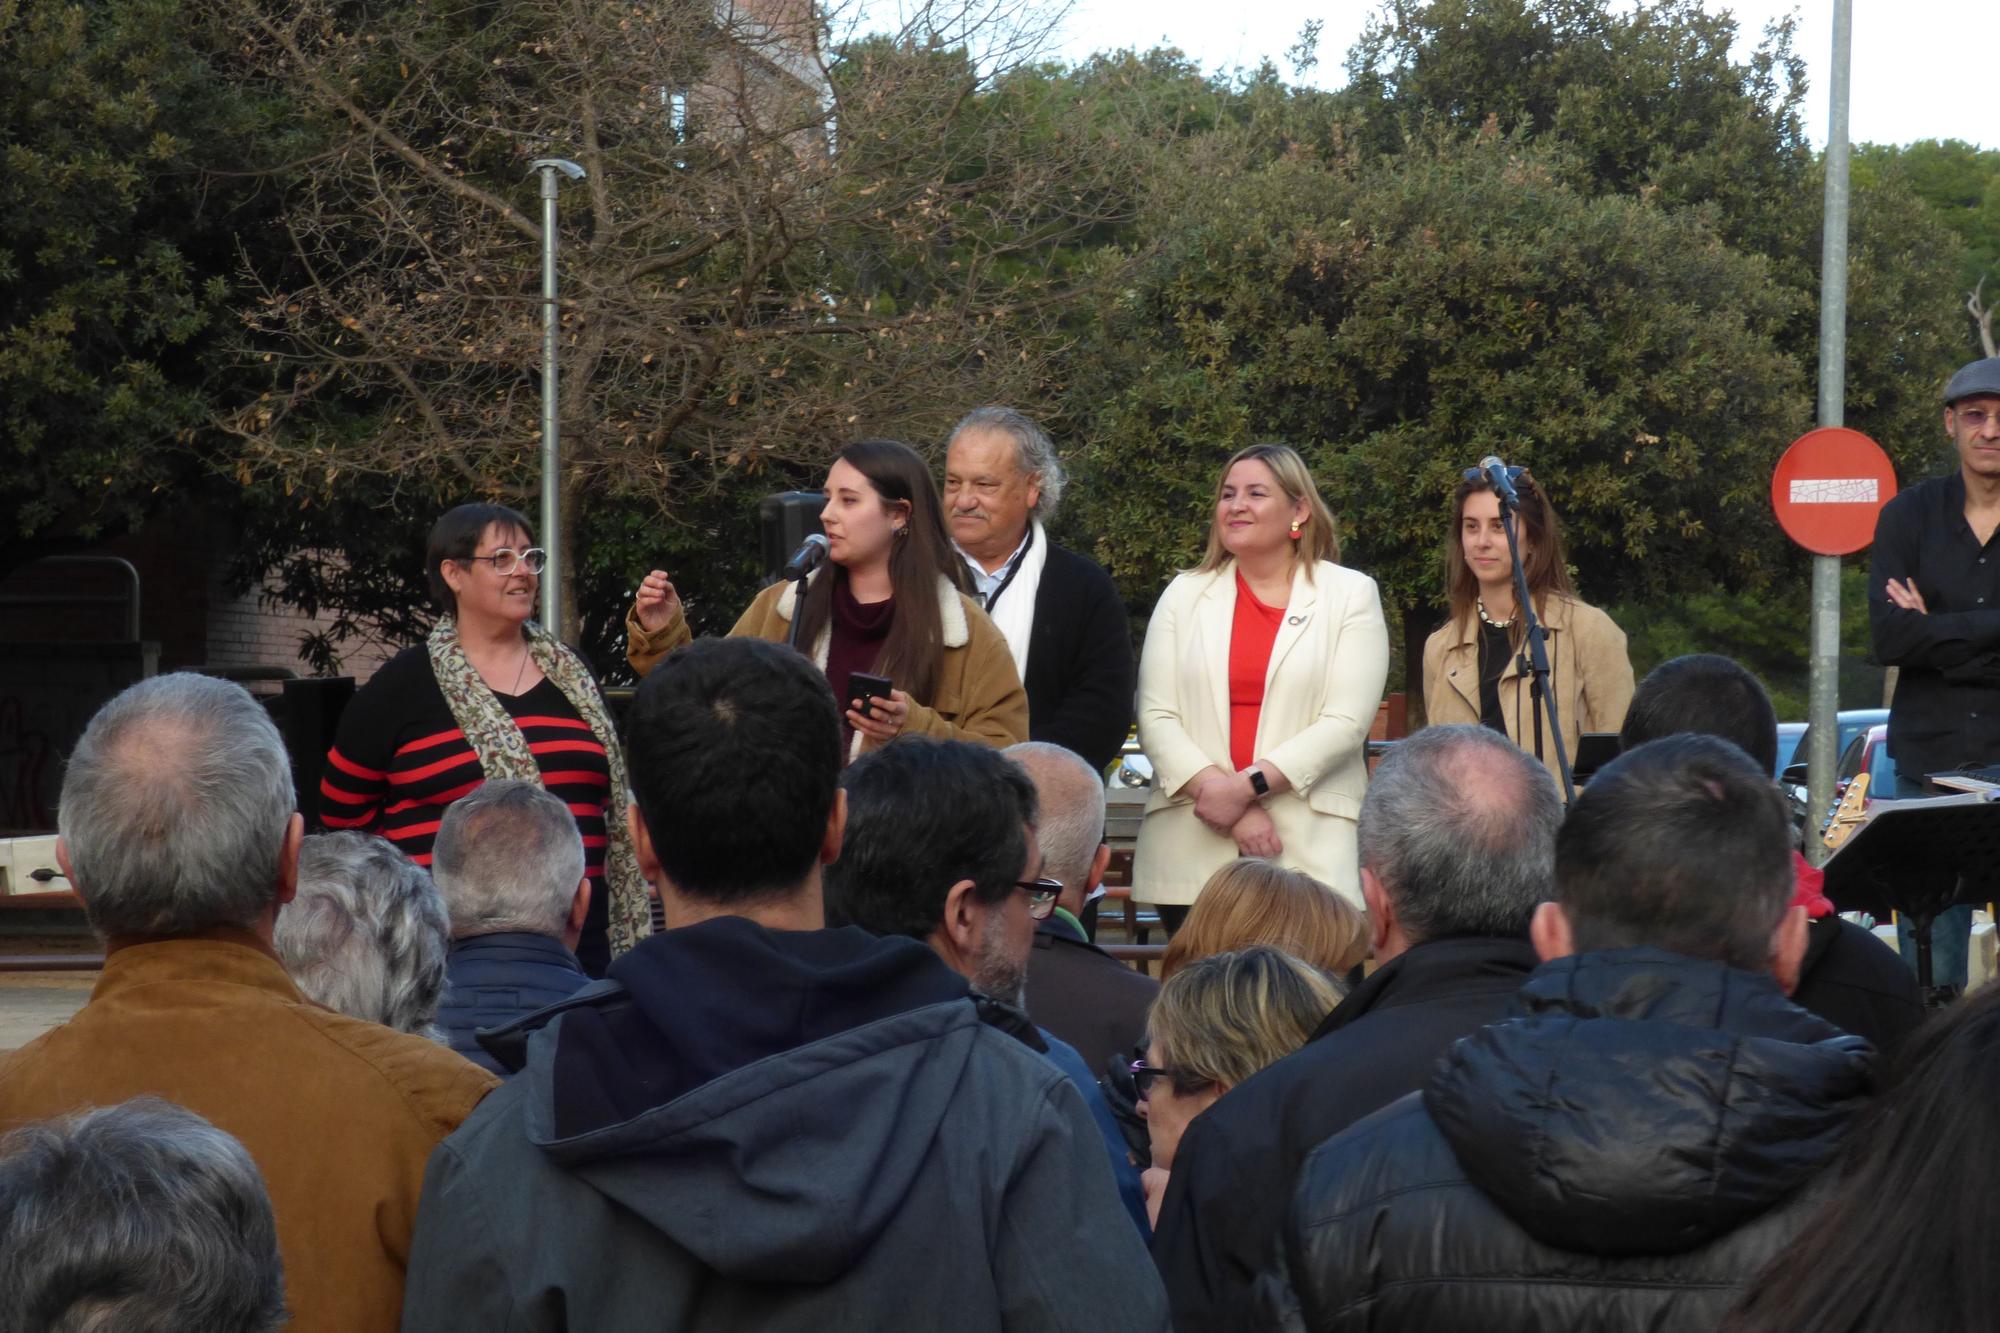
(1081, 673)
(1085, 996)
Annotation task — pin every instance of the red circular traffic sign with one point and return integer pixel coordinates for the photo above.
(1829, 487)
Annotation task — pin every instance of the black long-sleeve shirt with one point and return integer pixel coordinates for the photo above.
(1946, 713)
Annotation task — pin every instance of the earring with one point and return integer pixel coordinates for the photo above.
(1296, 525)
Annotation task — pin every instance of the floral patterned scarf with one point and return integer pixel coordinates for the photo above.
(503, 752)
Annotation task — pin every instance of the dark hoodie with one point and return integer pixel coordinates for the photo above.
(1624, 1151)
(776, 1130)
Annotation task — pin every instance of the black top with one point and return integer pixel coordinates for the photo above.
(399, 758)
(1085, 996)
(1858, 983)
(1220, 1223)
(1495, 650)
(1081, 672)
(1946, 713)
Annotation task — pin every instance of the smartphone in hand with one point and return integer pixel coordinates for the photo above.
(867, 688)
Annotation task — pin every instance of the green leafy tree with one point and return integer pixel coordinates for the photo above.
(1961, 185)
(1762, 630)
(1397, 318)
(1581, 235)
(117, 241)
(780, 244)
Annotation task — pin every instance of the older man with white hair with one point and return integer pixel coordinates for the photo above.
(509, 862)
(179, 834)
(1075, 989)
(1060, 614)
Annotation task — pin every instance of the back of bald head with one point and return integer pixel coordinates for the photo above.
(1459, 826)
(1071, 797)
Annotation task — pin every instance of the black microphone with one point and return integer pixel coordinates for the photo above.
(1501, 478)
(807, 558)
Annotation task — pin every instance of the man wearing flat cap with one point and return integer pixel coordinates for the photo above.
(1934, 611)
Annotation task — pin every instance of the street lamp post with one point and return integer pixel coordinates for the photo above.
(552, 532)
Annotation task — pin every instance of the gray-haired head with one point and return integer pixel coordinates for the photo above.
(1071, 797)
(508, 857)
(135, 1218)
(1032, 446)
(1459, 825)
(367, 934)
(174, 808)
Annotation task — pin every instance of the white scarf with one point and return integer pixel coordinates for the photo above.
(1014, 613)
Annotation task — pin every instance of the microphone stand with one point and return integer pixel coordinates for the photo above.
(1538, 648)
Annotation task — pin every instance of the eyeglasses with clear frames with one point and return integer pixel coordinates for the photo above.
(506, 560)
(1042, 895)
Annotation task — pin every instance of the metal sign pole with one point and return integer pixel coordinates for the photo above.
(1824, 709)
(552, 533)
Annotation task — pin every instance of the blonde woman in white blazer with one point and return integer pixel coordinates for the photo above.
(1269, 764)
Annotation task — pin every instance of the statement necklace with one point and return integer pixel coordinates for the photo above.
(1496, 624)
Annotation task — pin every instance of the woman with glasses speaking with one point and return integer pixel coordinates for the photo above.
(1475, 664)
(490, 694)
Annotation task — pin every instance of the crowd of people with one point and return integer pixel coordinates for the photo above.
(1430, 1049)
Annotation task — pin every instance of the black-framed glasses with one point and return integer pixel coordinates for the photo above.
(1514, 475)
(1042, 895)
(506, 560)
(1144, 1076)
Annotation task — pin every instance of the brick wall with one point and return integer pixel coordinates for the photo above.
(246, 632)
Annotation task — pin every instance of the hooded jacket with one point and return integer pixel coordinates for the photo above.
(1624, 1152)
(776, 1130)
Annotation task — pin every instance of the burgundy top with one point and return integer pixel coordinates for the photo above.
(855, 644)
(1251, 635)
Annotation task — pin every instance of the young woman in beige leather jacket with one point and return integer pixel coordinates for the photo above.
(1474, 665)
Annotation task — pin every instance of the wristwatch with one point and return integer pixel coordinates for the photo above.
(1259, 783)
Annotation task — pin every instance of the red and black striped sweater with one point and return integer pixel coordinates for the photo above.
(399, 758)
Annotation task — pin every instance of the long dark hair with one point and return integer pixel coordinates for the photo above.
(1547, 565)
(1906, 1238)
(913, 654)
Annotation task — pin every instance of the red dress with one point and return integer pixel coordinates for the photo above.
(1251, 635)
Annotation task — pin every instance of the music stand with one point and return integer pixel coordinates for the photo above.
(1917, 858)
(1594, 749)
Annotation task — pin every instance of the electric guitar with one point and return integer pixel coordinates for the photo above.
(1849, 815)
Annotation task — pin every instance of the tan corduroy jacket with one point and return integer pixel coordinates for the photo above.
(1589, 673)
(339, 1115)
(979, 695)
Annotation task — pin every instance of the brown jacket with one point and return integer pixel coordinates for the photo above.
(1589, 674)
(340, 1115)
(979, 695)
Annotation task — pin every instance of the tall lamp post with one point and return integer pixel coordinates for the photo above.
(1824, 684)
(552, 534)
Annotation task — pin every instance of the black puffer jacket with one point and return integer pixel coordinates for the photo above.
(1623, 1152)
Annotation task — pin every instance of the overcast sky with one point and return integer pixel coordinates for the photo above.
(1922, 68)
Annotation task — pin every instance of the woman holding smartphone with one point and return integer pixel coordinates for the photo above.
(1473, 664)
(1261, 675)
(887, 603)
